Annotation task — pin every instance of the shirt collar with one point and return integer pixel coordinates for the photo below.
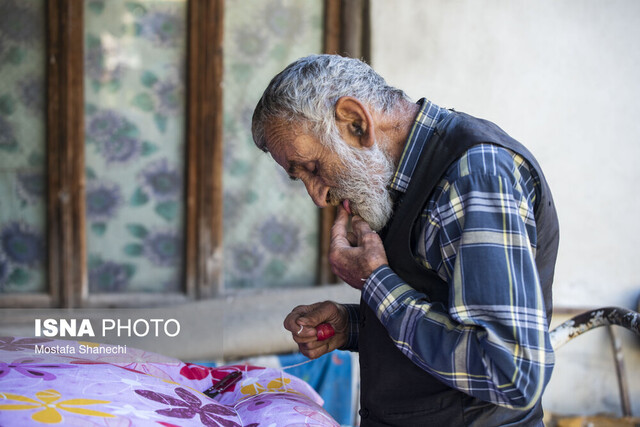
(424, 126)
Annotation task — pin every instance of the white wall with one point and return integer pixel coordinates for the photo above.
(563, 77)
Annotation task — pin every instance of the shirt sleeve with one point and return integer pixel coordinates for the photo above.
(354, 319)
(491, 341)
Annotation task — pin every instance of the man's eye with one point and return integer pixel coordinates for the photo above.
(314, 172)
(293, 178)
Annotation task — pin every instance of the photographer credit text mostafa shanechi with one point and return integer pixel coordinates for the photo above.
(81, 349)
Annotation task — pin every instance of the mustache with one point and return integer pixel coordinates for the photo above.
(365, 199)
(363, 180)
(333, 199)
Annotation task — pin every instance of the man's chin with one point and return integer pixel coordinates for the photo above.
(376, 222)
(376, 215)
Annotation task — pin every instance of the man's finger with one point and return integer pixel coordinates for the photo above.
(352, 238)
(319, 313)
(308, 335)
(314, 349)
(360, 226)
(339, 228)
(301, 333)
(290, 322)
(363, 231)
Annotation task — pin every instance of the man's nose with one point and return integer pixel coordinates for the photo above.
(318, 192)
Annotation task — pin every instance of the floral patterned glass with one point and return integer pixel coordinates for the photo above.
(22, 147)
(270, 224)
(135, 55)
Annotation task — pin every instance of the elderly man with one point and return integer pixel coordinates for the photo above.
(452, 241)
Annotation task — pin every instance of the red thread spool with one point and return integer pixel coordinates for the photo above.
(324, 331)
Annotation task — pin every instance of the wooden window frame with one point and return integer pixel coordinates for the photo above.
(203, 255)
(66, 252)
(345, 32)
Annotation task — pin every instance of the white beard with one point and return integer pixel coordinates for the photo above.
(364, 181)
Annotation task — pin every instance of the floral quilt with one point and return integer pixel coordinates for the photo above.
(75, 383)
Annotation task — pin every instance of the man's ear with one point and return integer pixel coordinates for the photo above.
(354, 122)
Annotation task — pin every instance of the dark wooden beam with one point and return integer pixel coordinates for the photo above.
(332, 26)
(351, 34)
(204, 149)
(67, 274)
(347, 28)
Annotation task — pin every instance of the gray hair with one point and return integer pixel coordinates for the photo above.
(307, 90)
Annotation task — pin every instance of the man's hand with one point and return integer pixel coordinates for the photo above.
(354, 255)
(302, 322)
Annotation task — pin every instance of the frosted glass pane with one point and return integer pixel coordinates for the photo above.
(135, 55)
(22, 147)
(270, 224)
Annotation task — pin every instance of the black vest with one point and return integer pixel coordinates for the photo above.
(395, 391)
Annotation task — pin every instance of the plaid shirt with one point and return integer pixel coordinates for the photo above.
(478, 233)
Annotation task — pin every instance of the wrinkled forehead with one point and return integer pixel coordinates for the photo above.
(290, 144)
(280, 133)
